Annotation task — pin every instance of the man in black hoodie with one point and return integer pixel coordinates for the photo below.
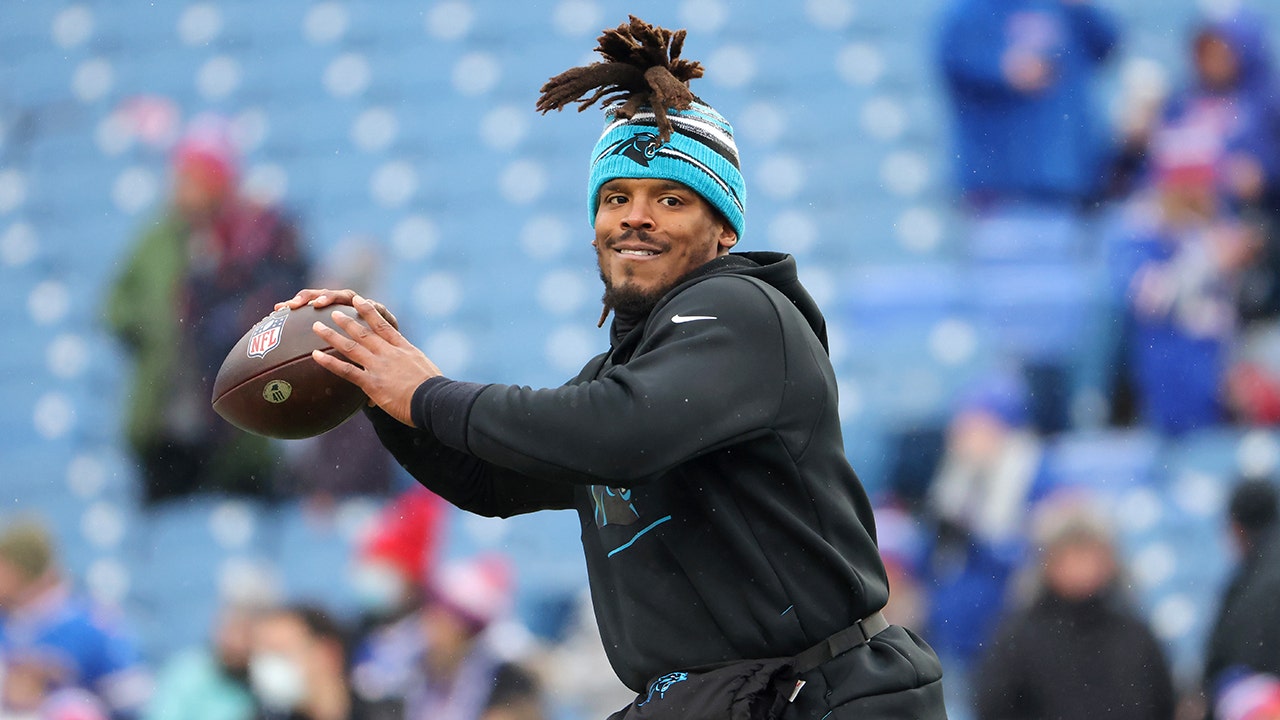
(702, 451)
(1245, 639)
(1079, 649)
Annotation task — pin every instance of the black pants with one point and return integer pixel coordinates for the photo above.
(896, 676)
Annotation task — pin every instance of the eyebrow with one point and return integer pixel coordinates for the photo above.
(664, 185)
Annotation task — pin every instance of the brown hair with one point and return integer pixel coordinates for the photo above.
(641, 68)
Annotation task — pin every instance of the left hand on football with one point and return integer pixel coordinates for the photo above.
(321, 298)
(379, 359)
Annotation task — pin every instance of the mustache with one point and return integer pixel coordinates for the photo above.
(634, 234)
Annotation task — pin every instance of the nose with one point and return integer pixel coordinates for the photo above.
(637, 216)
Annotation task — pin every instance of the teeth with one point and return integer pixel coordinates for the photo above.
(637, 252)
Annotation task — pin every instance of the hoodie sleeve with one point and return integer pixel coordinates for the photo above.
(710, 372)
(463, 479)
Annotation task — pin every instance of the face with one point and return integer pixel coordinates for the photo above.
(12, 584)
(649, 234)
(197, 194)
(1079, 569)
(233, 639)
(24, 688)
(286, 662)
(448, 636)
(1216, 62)
(284, 635)
(977, 437)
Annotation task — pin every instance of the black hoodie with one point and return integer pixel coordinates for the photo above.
(720, 517)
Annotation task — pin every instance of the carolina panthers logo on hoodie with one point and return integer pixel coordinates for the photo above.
(613, 506)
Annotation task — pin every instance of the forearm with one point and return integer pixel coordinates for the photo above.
(635, 421)
(463, 479)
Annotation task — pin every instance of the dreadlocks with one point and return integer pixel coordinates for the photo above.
(641, 68)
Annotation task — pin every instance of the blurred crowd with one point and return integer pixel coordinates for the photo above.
(1175, 200)
(431, 639)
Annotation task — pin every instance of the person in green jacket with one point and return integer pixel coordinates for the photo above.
(198, 277)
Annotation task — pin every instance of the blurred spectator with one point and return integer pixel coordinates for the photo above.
(575, 670)
(1230, 113)
(1184, 249)
(1019, 74)
(1030, 159)
(990, 472)
(1247, 696)
(1229, 110)
(398, 556)
(442, 663)
(51, 640)
(212, 683)
(298, 669)
(1078, 650)
(200, 275)
(1141, 100)
(347, 460)
(902, 550)
(33, 688)
(1246, 634)
(1253, 379)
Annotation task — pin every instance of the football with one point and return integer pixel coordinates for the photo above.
(269, 384)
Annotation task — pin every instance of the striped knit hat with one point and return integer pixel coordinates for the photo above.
(655, 127)
(701, 154)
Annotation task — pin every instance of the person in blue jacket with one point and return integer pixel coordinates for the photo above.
(1230, 109)
(1019, 74)
(79, 644)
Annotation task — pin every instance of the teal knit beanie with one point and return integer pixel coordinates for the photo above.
(655, 127)
(700, 154)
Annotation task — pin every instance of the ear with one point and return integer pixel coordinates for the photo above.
(727, 238)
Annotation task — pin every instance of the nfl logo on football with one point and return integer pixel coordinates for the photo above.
(266, 336)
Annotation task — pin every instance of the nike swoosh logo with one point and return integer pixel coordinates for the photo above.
(677, 319)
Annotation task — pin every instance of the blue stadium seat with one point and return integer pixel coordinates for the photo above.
(314, 554)
(1041, 312)
(1107, 464)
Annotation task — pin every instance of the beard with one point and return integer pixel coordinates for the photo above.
(628, 300)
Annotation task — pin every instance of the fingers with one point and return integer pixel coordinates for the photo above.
(317, 298)
(348, 344)
(302, 298)
(384, 312)
(337, 366)
(375, 316)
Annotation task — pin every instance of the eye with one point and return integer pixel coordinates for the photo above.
(671, 201)
(614, 199)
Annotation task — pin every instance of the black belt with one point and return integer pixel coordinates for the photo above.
(860, 633)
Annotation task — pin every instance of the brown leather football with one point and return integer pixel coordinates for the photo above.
(269, 384)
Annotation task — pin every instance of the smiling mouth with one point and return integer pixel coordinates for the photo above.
(638, 253)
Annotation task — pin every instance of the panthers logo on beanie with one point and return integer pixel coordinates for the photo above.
(642, 148)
